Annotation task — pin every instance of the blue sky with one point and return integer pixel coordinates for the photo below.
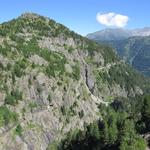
(79, 15)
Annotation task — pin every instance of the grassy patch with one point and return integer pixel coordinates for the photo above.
(7, 116)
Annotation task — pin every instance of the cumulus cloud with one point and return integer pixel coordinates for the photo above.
(112, 19)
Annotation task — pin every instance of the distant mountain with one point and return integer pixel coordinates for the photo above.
(141, 32)
(118, 34)
(110, 34)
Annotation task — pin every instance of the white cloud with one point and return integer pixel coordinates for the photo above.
(112, 19)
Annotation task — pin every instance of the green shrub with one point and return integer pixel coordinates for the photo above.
(81, 114)
(56, 65)
(63, 110)
(18, 70)
(19, 130)
(32, 105)
(49, 98)
(19, 67)
(13, 97)
(76, 72)
(7, 116)
(70, 49)
(53, 146)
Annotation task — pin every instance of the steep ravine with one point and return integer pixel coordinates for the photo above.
(90, 88)
(133, 57)
(89, 82)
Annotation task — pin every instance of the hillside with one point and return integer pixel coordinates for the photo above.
(134, 48)
(136, 51)
(53, 81)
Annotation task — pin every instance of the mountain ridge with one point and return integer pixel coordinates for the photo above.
(54, 81)
(110, 34)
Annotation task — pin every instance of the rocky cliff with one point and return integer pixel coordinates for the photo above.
(53, 81)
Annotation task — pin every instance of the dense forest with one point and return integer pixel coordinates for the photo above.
(123, 127)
